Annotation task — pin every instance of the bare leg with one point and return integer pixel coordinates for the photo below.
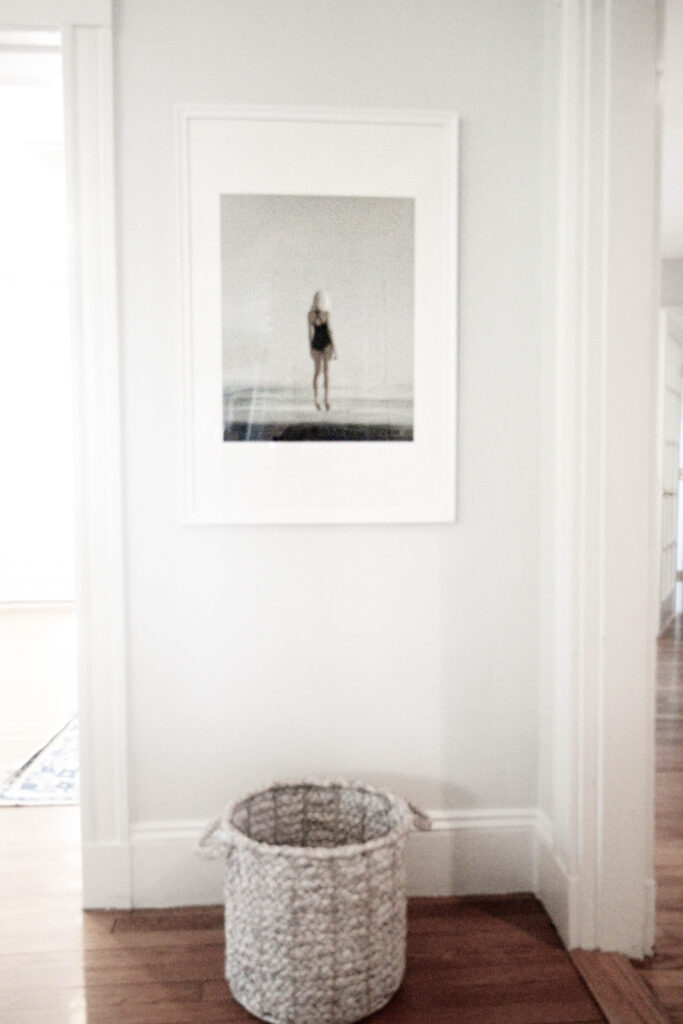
(316, 374)
(326, 383)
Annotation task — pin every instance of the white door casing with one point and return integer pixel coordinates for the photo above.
(595, 856)
(86, 31)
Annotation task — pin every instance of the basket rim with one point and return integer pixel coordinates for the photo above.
(235, 837)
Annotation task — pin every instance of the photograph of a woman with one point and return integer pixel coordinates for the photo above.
(322, 345)
(327, 279)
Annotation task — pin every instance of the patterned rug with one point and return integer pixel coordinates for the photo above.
(50, 777)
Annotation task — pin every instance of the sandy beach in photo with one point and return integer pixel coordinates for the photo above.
(286, 414)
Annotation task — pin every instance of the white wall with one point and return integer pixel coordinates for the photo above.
(404, 655)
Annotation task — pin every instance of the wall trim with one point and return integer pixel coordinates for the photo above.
(100, 583)
(560, 891)
(555, 887)
(440, 821)
(601, 458)
(467, 852)
(496, 818)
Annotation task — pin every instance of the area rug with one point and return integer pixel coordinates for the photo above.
(50, 777)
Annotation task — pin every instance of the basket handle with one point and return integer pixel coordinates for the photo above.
(214, 841)
(421, 821)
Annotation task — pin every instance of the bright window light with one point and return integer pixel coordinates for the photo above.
(36, 466)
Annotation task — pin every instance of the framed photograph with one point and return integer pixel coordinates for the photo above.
(319, 261)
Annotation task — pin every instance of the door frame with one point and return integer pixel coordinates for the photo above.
(600, 569)
(86, 32)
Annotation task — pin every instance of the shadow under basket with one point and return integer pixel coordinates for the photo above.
(315, 899)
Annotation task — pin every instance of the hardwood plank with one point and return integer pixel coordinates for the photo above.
(61, 1003)
(471, 961)
(481, 1005)
(165, 1013)
(621, 995)
(68, 1005)
(106, 997)
(179, 919)
(28, 971)
(160, 964)
(667, 983)
(34, 931)
(477, 997)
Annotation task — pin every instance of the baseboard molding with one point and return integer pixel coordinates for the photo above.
(471, 852)
(559, 892)
(553, 884)
(465, 853)
(106, 869)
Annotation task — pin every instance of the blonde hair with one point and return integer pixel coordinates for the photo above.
(321, 301)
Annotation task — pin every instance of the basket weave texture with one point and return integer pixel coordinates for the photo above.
(315, 900)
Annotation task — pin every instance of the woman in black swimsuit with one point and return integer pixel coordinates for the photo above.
(321, 343)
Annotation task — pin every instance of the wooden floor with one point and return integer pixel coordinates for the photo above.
(474, 961)
(664, 972)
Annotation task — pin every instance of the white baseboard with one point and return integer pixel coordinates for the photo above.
(106, 869)
(474, 852)
(559, 892)
(554, 886)
(465, 853)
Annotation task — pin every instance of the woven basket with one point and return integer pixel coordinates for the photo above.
(315, 899)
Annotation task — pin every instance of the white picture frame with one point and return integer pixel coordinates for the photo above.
(380, 155)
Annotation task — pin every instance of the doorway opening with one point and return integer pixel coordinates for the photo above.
(662, 972)
(38, 634)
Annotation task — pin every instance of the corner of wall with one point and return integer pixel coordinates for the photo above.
(553, 885)
(559, 892)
